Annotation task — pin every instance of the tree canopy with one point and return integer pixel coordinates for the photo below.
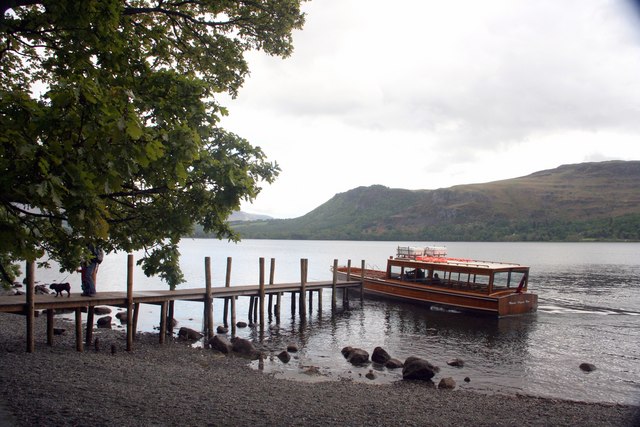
(110, 123)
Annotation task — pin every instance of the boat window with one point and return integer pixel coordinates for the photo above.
(507, 280)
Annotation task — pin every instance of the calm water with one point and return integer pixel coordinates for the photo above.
(589, 311)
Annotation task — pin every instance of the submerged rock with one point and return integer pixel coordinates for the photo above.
(284, 356)
(358, 356)
(222, 330)
(459, 363)
(393, 364)
(244, 347)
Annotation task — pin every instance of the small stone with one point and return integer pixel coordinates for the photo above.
(458, 363)
(104, 322)
(292, 348)
(241, 324)
(59, 331)
(222, 330)
(371, 375)
(467, 379)
(447, 383)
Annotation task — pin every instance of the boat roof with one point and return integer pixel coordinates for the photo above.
(458, 264)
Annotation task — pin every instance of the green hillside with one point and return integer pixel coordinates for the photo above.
(587, 201)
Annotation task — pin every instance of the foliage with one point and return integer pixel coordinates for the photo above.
(109, 123)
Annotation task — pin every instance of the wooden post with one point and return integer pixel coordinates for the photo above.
(79, 329)
(320, 300)
(334, 296)
(136, 312)
(362, 264)
(345, 291)
(163, 321)
(227, 283)
(272, 271)
(303, 289)
(225, 313)
(208, 300)
(170, 318)
(130, 302)
(250, 310)
(293, 303)
(31, 316)
(89, 332)
(50, 322)
(262, 292)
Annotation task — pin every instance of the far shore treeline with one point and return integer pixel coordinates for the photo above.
(580, 202)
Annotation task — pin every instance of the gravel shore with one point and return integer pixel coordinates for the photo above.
(176, 385)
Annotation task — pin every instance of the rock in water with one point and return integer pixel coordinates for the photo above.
(588, 367)
(358, 356)
(380, 355)
(284, 356)
(244, 347)
(416, 368)
(459, 363)
(222, 330)
(393, 364)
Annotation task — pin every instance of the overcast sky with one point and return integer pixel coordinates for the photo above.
(425, 94)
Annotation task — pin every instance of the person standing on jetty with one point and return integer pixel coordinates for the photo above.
(89, 270)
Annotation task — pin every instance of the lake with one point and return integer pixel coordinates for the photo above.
(589, 308)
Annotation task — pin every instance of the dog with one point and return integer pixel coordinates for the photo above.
(61, 287)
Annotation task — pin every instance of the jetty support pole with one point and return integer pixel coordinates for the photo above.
(163, 321)
(272, 272)
(79, 346)
(208, 300)
(31, 316)
(250, 317)
(89, 332)
(334, 296)
(129, 302)
(362, 281)
(50, 321)
(262, 293)
(227, 283)
(345, 291)
(303, 289)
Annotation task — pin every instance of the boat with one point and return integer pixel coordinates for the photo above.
(427, 275)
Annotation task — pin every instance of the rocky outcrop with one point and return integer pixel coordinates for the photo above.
(416, 368)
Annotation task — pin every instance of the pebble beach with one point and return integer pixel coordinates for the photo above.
(175, 384)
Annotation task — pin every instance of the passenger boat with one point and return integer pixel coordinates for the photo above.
(428, 275)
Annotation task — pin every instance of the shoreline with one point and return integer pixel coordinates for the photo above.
(175, 384)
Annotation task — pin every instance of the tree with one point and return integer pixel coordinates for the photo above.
(109, 123)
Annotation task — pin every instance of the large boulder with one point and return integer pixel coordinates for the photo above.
(346, 351)
(122, 316)
(104, 322)
(221, 344)
(380, 356)
(189, 334)
(416, 368)
(244, 347)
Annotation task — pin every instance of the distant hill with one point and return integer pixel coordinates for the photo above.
(586, 201)
(245, 216)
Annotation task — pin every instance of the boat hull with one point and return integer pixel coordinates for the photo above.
(502, 304)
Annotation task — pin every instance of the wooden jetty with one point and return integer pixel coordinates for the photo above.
(30, 303)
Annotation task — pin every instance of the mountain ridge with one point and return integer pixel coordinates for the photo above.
(585, 201)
